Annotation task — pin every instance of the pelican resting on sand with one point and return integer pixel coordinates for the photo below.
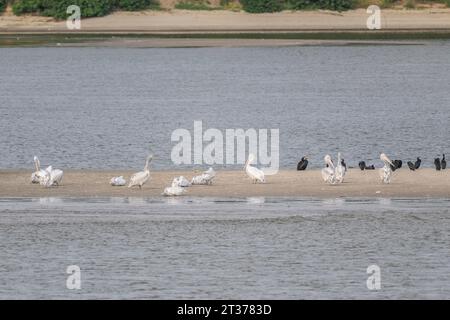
(52, 177)
(182, 182)
(253, 173)
(47, 177)
(386, 171)
(206, 178)
(174, 190)
(117, 181)
(140, 178)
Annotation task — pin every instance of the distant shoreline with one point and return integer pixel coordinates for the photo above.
(424, 183)
(184, 28)
(181, 21)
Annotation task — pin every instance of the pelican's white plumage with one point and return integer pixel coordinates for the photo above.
(333, 174)
(254, 173)
(206, 178)
(182, 182)
(140, 178)
(51, 177)
(48, 177)
(118, 181)
(386, 171)
(328, 173)
(174, 190)
(38, 174)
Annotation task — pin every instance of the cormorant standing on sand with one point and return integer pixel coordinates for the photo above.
(398, 164)
(301, 166)
(362, 165)
(414, 166)
(437, 164)
(344, 164)
(417, 164)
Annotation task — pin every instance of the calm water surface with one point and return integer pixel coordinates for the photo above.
(103, 107)
(232, 249)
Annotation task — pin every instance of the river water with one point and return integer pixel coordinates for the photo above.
(239, 248)
(103, 108)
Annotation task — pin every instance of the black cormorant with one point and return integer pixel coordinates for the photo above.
(302, 164)
(411, 166)
(437, 164)
(362, 165)
(417, 164)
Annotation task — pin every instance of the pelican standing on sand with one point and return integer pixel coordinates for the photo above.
(386, 171)
(254, 173)
(140, 178)
(328, 173)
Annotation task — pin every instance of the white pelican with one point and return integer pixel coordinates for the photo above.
(38, 174)
(254, 173)
(174, 190)
(51, 177)
(140, 178)
(339, 171)
(46, 176)
(328, 173)
(182, 182)
(117, 181)
(386, 171)
(205, 178)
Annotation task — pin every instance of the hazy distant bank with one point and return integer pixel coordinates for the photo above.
(223, 20)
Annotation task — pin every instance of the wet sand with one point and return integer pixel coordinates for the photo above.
(287, 183)
(199, 43)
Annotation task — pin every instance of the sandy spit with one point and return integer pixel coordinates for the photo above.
(287, 183)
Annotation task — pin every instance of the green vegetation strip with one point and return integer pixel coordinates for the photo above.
(54, 39)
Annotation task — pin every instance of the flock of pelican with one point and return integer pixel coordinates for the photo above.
(53, 177)
(331, 174)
